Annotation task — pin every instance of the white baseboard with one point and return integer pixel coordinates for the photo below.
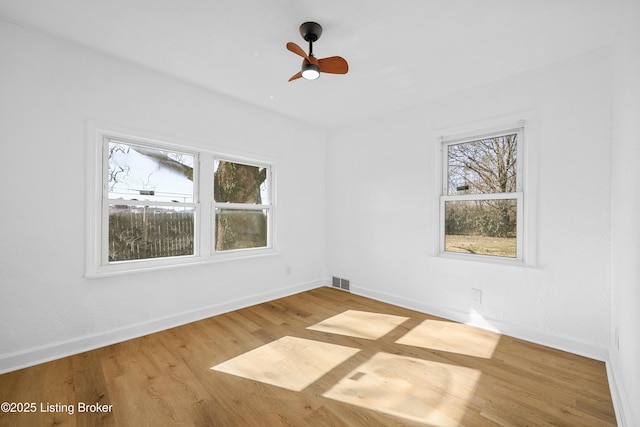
(538, 337)
(46, 353)
(618, 397)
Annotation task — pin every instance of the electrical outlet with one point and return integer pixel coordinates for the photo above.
(287, 270)
(476, 295)
(616, 339)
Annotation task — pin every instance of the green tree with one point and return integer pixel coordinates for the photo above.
(238, 228)
(485, 166)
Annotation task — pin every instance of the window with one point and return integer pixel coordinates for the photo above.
(241, 206)
(158, 204)
(150, 204)
(481, 204)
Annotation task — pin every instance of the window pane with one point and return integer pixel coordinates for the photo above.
(239, 183)
(485, 227)
(483, 166)
(240, 229)
(140, 173)
(143, 232)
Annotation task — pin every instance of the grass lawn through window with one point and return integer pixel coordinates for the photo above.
(482, 245)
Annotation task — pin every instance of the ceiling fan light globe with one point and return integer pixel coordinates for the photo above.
(310, 71)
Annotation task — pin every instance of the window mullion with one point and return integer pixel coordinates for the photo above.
(520, 162)
(520, 227)
(486, 196)
(205, 197)
(241, 206)
(154, 203)
(104, 217)
(104, 232)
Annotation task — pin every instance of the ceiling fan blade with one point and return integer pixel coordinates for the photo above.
(333, 65)
(296, 76)
(297, 50)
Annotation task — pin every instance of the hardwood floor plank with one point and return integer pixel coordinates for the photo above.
(90, 386)
(324, 357)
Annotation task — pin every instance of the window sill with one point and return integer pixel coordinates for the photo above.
(485, 259)
(132, 267)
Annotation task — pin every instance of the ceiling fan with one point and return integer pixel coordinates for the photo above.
(311, 66)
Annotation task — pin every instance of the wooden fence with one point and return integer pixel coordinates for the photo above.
(141, 233)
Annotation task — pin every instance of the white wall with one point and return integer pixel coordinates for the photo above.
(48, 91)
(625, 210)
(381, 201)
(382, 209)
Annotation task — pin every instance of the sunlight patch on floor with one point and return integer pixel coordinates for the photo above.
(452, 337)
(415, 389)
(289, 362)
(360, 324)
(477, 319)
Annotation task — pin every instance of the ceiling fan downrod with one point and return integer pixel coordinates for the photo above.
(310, 47)
(311, 32)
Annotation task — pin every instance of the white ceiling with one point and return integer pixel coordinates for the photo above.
(400, 53)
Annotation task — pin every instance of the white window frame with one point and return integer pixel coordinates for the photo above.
(97, 263)
(525, 125)
(243, 206)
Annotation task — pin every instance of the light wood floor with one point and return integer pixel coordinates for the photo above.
(320, 358)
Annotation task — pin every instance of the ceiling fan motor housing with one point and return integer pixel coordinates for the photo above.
(310, 31)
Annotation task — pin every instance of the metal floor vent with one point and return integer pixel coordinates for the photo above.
(340, 283)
